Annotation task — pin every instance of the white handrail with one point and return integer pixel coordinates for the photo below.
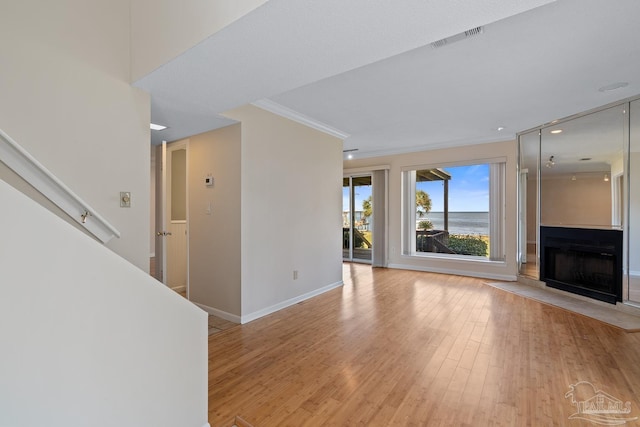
(40, 178)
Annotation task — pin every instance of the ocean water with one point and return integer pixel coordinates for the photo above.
(460, 222)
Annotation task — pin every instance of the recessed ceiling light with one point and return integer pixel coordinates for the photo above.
(154, 126)
(500, 128)
(350, 151)
(613, 86)
(556, 131)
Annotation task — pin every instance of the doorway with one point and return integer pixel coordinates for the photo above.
(357, 218)
(172, 224)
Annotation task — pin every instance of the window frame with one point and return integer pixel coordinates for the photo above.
(497, 210)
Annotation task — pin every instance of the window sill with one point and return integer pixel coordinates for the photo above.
(451, 257)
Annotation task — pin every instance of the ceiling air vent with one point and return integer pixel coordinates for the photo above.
(464, 35)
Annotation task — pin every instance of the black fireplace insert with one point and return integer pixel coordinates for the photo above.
(584, 261)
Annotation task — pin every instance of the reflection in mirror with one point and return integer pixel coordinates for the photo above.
(585, 171)
(581, 171)
(632, 232)
(528, 204)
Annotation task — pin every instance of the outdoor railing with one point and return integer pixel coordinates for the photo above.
(433, 241)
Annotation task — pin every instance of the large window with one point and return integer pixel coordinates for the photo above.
(455, 211)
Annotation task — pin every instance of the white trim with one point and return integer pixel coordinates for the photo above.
(365, 169)
(284, 304)
(40, 178)
(219, 313)
(440, 256)
(456, 163)
(386, 218)
(281, 110)
(432, 147)
(482, 275)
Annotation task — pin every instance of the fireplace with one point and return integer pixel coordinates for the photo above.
(583, 261)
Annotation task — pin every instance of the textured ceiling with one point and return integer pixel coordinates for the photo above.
(368, 69)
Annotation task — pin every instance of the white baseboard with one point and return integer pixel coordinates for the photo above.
(480, 274)
(284, 304)
(219, 313)
(179, 288)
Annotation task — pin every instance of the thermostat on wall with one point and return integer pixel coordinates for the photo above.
(208, 181)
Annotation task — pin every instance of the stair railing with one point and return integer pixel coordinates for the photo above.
(28, 168)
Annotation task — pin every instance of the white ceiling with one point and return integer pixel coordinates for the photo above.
(368, 69)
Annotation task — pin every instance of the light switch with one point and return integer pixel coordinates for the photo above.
(125, 199)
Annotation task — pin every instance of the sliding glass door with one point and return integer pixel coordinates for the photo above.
(357, 218)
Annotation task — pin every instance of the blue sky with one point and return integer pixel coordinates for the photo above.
(468, 189)
(362, 193)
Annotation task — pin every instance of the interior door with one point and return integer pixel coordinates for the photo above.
(173, 216)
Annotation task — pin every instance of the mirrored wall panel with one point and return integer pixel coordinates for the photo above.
(632, 231)
(528, 204)
(581, 171)
(579, 204)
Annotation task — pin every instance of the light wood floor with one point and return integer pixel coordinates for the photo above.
(395, 348)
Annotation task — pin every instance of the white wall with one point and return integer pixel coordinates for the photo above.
(163, 29)
(506, 270)
(66, 99)
(214, 243)
(87, 338)
(583, 202)
(291, 211)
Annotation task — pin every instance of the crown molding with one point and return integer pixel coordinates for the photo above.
(430, 147)
(281, 110)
